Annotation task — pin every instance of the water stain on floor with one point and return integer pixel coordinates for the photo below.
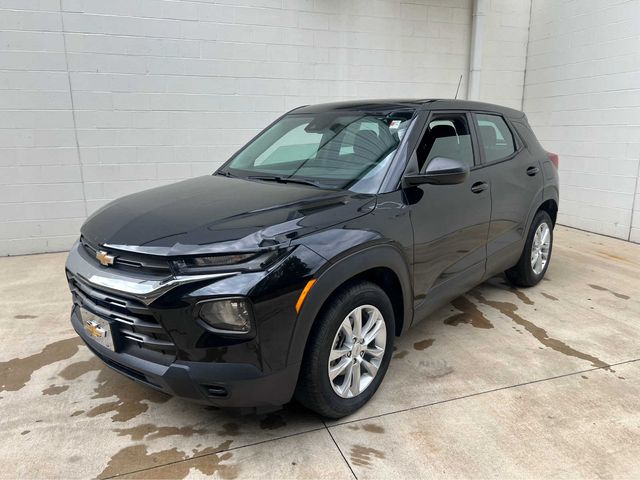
(603, 289)
(148, 431)
(435, 369)
(131, 398)
(229, 429)
(362, 456)
(401, 354)
(469, 314)
(373, 428)
(77, 369)
(136, 462)
(272, 421)
(55, 389)
(549, 296)
(23, 317)
(424, 344)
(509, 310)
(15, 373)
(518, 293)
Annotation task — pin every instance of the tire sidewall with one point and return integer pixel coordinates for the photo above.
(368, 295)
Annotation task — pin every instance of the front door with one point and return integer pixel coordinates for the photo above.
(450, 222)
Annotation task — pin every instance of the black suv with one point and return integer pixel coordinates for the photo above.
(291, 269)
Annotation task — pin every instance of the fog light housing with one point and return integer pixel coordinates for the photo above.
(229, 315)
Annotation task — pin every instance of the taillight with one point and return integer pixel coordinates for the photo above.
(554, 159)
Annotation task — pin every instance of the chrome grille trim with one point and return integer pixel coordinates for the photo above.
(149, 341)
(133, 323)
(140, 286)
(146, 263)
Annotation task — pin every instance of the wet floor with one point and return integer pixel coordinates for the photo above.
(502, 382)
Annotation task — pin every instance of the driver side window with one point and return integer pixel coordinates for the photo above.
(447, 136)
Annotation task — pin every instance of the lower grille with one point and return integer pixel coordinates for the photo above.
(134, 326)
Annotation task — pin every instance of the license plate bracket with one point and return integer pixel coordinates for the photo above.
(97, 328)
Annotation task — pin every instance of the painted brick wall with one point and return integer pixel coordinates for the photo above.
(505, 52)
(41, 196)
(634, 235)
(102, 98)
(582, 97)
(164, 90)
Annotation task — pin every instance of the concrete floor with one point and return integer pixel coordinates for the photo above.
(504, 382)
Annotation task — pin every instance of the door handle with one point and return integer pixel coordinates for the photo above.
(531, 171)
(479, 187)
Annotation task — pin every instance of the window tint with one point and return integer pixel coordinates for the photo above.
(495, 137)
(447, 136)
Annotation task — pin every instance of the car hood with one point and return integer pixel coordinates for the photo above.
(214, 214)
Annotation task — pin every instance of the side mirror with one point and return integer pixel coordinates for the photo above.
(440, 171)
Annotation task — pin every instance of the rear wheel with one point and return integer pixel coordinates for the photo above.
(536, 255)
(348, 351)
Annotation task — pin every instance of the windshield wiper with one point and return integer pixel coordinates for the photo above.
(225, 173)
(275, 178)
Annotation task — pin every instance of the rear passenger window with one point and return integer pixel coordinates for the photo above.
(495, 137)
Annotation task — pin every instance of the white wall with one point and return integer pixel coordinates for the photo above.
(163, 90)
(102, 98)
(41, 195)
(582, 97)
(505, 52)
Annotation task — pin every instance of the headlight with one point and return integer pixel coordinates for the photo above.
(184, 264)
(232, 315)
(238, 261)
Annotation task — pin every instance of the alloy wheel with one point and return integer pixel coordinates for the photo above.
(357, 351)
(540, 248)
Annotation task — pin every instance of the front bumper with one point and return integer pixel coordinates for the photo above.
(161, 345)
(221, 384)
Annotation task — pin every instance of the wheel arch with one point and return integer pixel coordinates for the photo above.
(548, 201)
(383, 265)
(551, 207)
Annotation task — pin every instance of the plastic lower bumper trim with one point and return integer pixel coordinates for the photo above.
(220, 384)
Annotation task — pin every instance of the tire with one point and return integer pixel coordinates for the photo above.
(315, 389)
(523, 274)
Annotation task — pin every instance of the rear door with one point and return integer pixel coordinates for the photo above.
(450, 222)
(516, 185)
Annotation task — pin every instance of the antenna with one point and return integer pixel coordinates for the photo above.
(458, 89)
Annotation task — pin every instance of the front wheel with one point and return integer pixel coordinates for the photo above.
(348, 351)
(536, 255)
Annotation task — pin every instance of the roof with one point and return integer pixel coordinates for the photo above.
(398, 104)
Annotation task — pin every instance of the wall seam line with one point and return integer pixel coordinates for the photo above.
(526, 57)
(633, 201)
(73, 111)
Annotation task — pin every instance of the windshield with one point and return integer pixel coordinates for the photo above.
(345, 150)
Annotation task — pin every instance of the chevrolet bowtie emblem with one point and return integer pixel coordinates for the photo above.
(94, 329)
(104, 258)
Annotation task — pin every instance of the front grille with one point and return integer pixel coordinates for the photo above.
(129, 260)
(135, 329)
